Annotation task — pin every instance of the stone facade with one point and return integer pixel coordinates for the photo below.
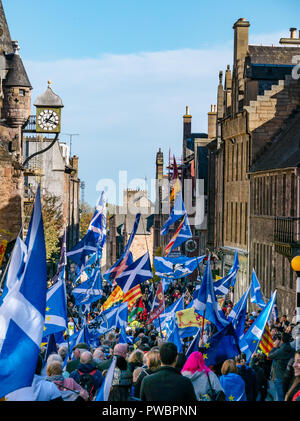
(253, 194)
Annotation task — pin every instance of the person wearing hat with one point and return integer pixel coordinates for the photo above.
(72, 365)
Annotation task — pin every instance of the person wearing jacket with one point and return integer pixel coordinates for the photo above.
(152, 365)
(202, 377)
(69, 389)
(232, 383)
(167, 384)
(87, 366)
(280, 355)
(249, 376)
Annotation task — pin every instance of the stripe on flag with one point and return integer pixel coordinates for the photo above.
(266, 343)
(172, 241)
(115, 296)
(132, 295)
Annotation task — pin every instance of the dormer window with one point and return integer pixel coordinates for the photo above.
(22, 92)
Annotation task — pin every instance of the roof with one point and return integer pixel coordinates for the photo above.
(5, 39)
(48, 99)
(261, 54)
(285, 150)
(16, 75)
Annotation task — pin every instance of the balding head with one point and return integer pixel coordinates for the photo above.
(86, 357)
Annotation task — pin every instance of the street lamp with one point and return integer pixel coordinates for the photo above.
(295, 263)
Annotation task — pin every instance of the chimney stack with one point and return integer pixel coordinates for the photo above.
(292, 39)
(212, 122)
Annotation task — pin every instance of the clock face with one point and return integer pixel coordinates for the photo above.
(48, 120)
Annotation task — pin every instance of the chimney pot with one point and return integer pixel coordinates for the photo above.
(293, 32)
(187, 110)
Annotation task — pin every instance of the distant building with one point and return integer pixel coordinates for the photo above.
(120, 224)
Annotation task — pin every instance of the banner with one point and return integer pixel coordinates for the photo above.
(188, 318)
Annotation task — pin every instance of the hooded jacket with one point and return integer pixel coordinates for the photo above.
(234, 387)
(201, 383)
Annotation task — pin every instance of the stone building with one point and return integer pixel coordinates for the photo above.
(58, 174)
(15, 104)
(257, 108)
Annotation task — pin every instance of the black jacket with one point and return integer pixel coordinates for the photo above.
(167, 384)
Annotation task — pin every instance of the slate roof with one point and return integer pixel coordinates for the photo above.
(17, 75)
(261, 54)
(48, 99)
(285, 150)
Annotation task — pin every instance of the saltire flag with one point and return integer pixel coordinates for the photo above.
(194, 346)
(223, 285)
(266, 343)
(158, 305)
(135, 274)
(174, 336)
(81, 336)
(256, 296)
(115, 297)
(205, 302)
(166, 283)
(175, 183)
(177, 212)
(126, 257)
(176, 267)
(61, 270)
(123, 336)
(122, 316)
(137, 309)
(168, 315)
(109, 319)
(56, 316)
(22, 313)
(95, 236)
(237, 316)
(253, 336)
(89, 291)
(224, 345)
(182, 234)
(103, 393)
(132, 296)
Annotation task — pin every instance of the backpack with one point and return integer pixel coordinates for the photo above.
(86, 381)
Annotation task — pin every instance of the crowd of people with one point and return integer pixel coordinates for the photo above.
(151, 369)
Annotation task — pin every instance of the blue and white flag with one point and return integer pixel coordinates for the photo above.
(103, 394)
(22, 313)
(111, 318)
(174, 336)
(168, 315)
(255, 332)
(82, 336)
(184, 234)
(89, 291)
(205, 302)
(176, 267)
(56, 319)
(194, 346)
(274, 313)
(95, 236)
(256, 296)
(122, 316)
(223, 285)
(135, 274)
(237, 316)
(126, 257)
(177, 212)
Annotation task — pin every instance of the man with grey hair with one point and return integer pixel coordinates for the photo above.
(87, 375)
(63, 351)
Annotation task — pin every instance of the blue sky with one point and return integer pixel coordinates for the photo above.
(127, 69)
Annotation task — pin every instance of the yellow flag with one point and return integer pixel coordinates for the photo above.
(115, 296)
(188, 318)
(176, 189)
(3, 246)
